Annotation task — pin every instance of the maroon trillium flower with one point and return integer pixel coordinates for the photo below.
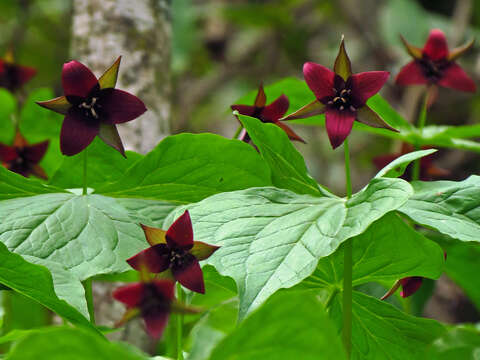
(342, 96)
(175, 250)
(435, 64)
(409, 285)
(23, 158)
(92, 107)
(13, 76)
(267, 113)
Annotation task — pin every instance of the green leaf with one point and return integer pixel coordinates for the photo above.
(460, 342)
(64, 343)
(389, 250)
(281, 329)
(104, 165)
(378, 104)
(380, 331)
(397, 167)
(8, 104)
(35, 282)
(187, 168)
(286, 163)
(294, 230)
(452, 208)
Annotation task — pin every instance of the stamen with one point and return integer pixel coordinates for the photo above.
(330, 102)
(343, 100)
(341, 107)
(352, 108)
(335, 99)
(334, 90)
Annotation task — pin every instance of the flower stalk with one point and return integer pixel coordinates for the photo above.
(85, 157)
(87, 284)
(422, 117)
(179, 324)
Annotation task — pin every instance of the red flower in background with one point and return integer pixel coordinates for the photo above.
(410, 286)
(92, 107)
(342, 96)
(13, 76)
(267, 113)
(175, 250)
(435, 64)
(23, 158)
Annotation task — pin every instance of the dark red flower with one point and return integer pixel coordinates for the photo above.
(92, 107)
(428, 170)
(23, 158)
(409, 285)
(175, 250)
(342, 96)
(267, 113)
(151, 300)
(13, 76)
(435, 64)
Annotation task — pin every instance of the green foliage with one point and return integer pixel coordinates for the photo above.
(397, 167)
(460, 342)
(8, 105)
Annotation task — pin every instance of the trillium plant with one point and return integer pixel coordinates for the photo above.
(219, 248)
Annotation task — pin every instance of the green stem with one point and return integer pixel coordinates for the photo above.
(422, 117)
(237, 132)
(84, 192)
(179, 324)
(87, 284)
(347, 268)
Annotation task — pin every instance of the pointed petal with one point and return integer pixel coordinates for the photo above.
(276, 109)
(202, 250)
(411, 74)
(454, 77)
(109, 77)
(109, 134)
(7, 153)
(392, 290)
(459, 51)
(59, 105)
(312, 109)
(153, 235)
(339, 125)
(19, 140)
(166, 288)
(119, 106)
(261, 98)
(38, 171)
(365, 85)
(319, 79)
(24, 74)
(243, 136)
(155, 323)
(369, 117)
(131, 295)
(414, 51)
(436, 47)
(190, 275)
(77, 79)
(34, 153)
(77, 133)
(291, 134)
(432, 95)
(154, 259)
(410, 285)
(244, 109)
(342, 65)
(180, 233)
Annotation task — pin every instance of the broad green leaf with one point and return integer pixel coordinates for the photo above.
(397, 167)
(291, 325)
(272, 238)
(64, 343)
(452, 208)
(13, 185)
(380, 331)
(389, 250)
(460, 342)
(7, 109)
(286, 163)
(187, 168)
(104, 164)
(35, 282)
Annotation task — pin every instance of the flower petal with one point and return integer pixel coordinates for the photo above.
(59, 105)
(109, 77)
(38, 171)
(414, 51)
(410, 285)
(77, 133)
(459, 51)
(411, 74)
(7, 153)
(319, 79)
(34, 153)
(261, 98)
(153, 235)
(454, 77)
(202, 250)
(77, 79)
(155, 323)
(109, 134)
(154, 259)
(365, 85)
(131, 295)
(275, 110)
(436, 47)
(309, 110)
(244, 109)
(339, 125)
(291, 134)
(342, 66)
(19, 140)
(190, 275)
(180, 233)
(369, 117)
(119, 106)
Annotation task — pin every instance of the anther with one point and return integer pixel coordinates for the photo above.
(341, 108)
(352, 108)
(330, 102)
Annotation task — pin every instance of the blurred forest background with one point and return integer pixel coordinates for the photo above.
(223, 49)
